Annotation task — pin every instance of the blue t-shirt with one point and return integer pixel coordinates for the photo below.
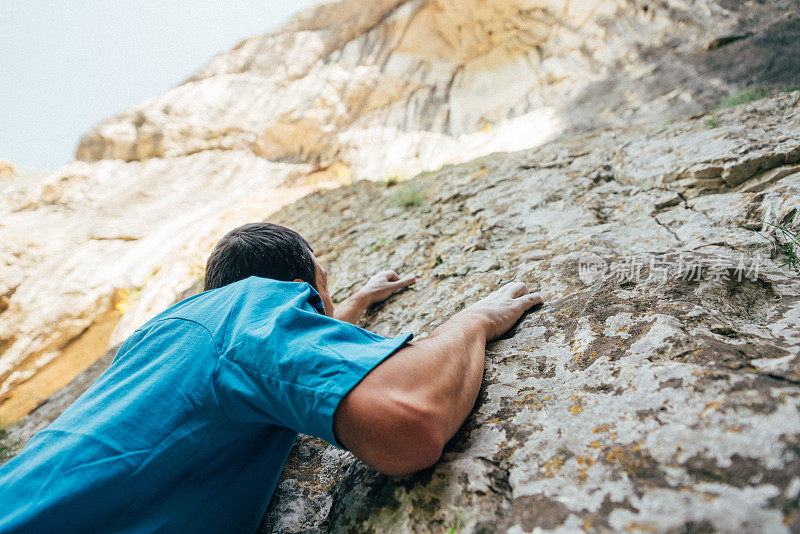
(189, 427)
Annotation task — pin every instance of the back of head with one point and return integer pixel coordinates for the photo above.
(260, 249)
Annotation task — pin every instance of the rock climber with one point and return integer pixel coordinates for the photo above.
(188, 429)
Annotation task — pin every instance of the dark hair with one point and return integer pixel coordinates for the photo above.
(260, 249)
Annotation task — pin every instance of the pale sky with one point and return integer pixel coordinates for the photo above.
(67, 65)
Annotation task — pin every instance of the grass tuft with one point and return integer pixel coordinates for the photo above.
(742, 97)
(711, 122)
(407, 197)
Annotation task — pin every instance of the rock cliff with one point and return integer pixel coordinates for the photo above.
(656, 390)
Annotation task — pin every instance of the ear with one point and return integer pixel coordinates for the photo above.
(298, 280)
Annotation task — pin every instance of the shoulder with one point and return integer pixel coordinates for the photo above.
(253, 293)
(253, 300)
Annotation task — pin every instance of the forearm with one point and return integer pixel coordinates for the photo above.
(352, 308)
(399, 417)
(452, 362)
(403, 412)
(442, 373)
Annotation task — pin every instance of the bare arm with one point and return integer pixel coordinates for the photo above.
(378, 288)
(400, 416)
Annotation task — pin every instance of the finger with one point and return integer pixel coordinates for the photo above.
(391, 276)
(517, 289)
(534, 298)
(406, 281)
(528, 301)
(508, 288)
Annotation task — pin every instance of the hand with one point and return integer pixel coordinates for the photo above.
(502, 308)
(384, 284)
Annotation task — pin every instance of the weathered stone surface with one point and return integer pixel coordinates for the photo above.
(663, 402)
(659, 391)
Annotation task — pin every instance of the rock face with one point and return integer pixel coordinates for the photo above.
(659, 386)
(658, 389)
(347, 89)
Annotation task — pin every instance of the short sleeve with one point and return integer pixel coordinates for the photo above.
(291, 366)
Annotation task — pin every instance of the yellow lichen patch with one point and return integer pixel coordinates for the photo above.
(577, 406)
(601, 428)
(532, 400)
(480, 173)
(595, 445)
(710, 406)
(552, 467)
(123, 304)
(123, 299)
(504, 454)
(640, 527)
(615, 455)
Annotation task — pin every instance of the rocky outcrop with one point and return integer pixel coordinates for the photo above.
(347, 89)
(657, 389)
(412, 76)
(6, 169)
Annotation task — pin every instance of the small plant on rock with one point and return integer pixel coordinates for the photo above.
(784, 243)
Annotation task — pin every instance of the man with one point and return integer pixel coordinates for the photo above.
(189, 427)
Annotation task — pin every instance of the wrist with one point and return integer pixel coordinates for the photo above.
(361, 299)
(475, 323)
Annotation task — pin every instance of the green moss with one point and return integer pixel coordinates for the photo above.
(379, 244)
(711, 122)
